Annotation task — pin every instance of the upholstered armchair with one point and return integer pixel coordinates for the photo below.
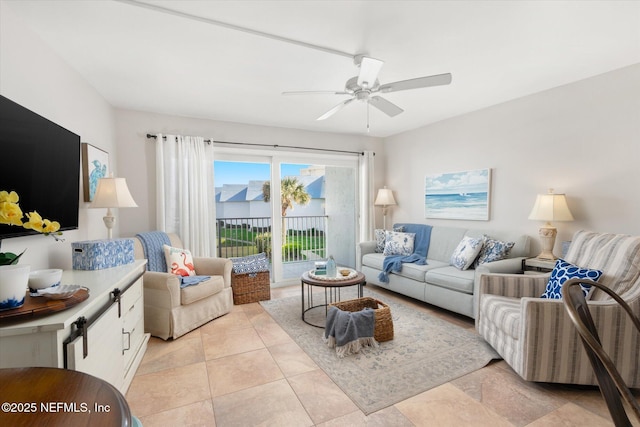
(171, 311)
(536, 336)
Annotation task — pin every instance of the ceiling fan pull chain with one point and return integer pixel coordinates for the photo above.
(367, 115)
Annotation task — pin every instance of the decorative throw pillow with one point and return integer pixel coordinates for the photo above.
(493, 250)
(381, 237)
(179, 261)
(466, 252)
(564, 271)
(398, 243)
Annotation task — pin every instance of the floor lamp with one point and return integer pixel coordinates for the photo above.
(549, 207)
(112, 193)
(384, 199)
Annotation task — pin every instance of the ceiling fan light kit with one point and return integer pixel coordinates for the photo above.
(365, 86)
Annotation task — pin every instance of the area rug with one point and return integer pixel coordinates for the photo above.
(425, 352)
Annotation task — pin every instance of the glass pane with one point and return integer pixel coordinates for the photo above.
(243, 215)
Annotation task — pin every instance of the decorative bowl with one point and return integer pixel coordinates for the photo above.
(345, 272)
(41, 279)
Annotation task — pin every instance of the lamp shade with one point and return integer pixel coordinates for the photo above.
(551, 207)
(384, 198)
(113, 193)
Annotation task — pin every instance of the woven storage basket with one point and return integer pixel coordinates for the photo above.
(250, 287)
(383, 327)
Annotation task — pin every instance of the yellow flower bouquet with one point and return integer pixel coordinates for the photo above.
(11, 214)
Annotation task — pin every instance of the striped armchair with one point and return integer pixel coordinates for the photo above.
(536, 336)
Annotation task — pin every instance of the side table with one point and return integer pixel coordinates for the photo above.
(331, 291)
(538, 265)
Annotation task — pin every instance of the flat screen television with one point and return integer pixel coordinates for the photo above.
(40, 161)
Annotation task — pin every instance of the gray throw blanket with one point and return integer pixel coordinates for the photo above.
(349, 331)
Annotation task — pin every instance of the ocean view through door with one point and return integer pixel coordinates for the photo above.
(296, 213)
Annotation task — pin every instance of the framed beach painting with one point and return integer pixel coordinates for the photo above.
(458, 195)
(95, 165)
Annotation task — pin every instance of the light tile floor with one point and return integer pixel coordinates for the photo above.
(244, 370)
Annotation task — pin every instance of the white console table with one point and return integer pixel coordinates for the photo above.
(102, 336)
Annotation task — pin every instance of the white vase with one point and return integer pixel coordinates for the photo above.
(13, 285)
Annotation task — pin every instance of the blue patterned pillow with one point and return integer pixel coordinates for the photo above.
(493, 250)
(564, 271)
(466, 252)
(250, 264)
(381, 237)
(398, 243)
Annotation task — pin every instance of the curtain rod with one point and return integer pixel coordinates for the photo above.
(209, 141)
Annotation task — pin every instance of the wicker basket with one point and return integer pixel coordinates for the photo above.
(383, 327)
(250, 287)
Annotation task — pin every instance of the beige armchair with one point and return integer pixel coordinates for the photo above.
(537, 338)
(169, 311)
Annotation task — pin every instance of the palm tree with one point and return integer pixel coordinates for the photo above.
(292, 191)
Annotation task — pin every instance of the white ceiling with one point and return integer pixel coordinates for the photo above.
(143, 59)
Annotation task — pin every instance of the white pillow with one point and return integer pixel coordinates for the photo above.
(179, 261)
(466, 252)
(398, 243)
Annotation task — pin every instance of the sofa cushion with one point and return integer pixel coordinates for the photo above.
(202, 290)
(503, 312)
(451, 278)
(397, 243)
(564, 271)
(466, 252)
(409, 270)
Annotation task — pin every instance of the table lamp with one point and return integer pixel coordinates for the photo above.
(549, 207)
(112, 193)
(384, 199)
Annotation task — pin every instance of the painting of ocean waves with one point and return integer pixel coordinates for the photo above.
(459, 195)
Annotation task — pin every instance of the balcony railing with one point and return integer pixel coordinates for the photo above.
(305, 238)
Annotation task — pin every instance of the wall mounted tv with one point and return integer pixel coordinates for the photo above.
(40, 162)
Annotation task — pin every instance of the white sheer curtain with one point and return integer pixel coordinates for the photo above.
(184, 191)
(367, 218)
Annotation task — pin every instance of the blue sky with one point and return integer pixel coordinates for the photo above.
(242, 173)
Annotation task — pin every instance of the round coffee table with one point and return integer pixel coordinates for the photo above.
(331, 291)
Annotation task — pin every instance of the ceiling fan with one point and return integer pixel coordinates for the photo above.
(365, 87)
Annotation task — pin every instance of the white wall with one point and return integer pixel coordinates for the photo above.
(136, 153)
(582, 139)
(34, 76)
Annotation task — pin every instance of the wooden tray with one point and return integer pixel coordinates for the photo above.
(41, 306)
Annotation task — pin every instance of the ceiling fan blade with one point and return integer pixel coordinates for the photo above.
(420, 82)
(315, 92)
(389, 108)
(335, 109)
(369, 70)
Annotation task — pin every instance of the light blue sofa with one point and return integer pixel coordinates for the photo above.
(438, 282)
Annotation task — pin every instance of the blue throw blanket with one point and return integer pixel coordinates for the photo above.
(349, 331)
(393, 263)
(152, 242)
(192, 280)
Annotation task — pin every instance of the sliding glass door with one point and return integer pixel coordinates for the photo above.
(295, 211)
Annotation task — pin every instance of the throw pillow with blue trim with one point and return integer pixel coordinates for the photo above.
(466, 252)
(493, 250)
(564, 271)
(399, 243)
